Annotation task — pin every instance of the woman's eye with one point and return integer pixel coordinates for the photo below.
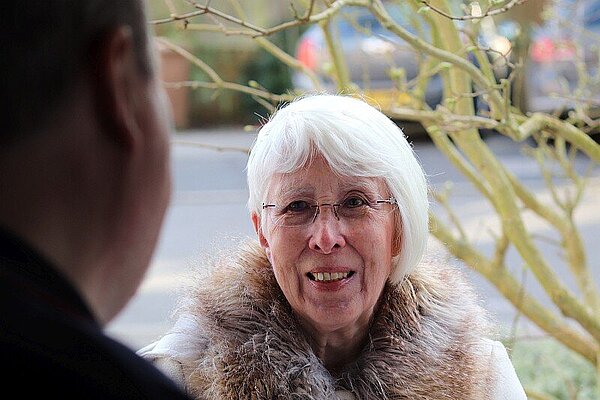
(297, 206)
(354, 202)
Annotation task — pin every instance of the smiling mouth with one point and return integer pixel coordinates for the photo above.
(329, 276)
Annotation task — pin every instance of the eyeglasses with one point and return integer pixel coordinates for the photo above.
(305, 212)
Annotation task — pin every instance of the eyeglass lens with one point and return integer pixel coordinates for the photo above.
(300, 213)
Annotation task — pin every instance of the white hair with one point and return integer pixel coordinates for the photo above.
(355, 139)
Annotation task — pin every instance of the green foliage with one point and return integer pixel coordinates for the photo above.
(240, 65)
(219, 107)
(545, 366)
(268, 73)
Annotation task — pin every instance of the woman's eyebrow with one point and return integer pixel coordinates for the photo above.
(291, 189)
(360, 185)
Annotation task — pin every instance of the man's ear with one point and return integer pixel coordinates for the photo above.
(118, 85)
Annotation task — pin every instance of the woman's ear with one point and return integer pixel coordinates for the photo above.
(396, 245)
(397, 239)
(264, 243)
(258, 229)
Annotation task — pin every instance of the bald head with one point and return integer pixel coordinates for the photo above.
(48, 46)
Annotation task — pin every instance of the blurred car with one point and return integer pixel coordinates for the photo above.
(570, 34)
(378, 60)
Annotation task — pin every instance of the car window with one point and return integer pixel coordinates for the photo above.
(358, 20)
(353, 20)
(369, 22)
(592, 15)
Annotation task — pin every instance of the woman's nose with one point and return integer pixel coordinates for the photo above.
(326, 233)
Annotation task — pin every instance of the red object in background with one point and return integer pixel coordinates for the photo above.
(307, 53)
(545, 50)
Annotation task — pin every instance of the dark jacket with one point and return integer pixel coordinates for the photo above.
(51, 344)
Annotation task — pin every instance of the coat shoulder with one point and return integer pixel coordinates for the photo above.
(506, 384)
(173, 351)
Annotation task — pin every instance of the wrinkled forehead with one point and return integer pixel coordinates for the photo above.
(319, 180)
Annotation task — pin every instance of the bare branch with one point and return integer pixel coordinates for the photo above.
(217, 83)
(535, 395)
(442, 117)
(442, 199)
(190, 57)
(211, 147)
(171, 7)
(230, 86)
(207, 9)
(512, 290)
(502, 244)
(571, 241)
(251, 29)
(488, 13)
(456, 60)
(337, 58)
(280, 54)
(539, 121)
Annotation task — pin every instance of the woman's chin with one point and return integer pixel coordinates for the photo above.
(332, 316)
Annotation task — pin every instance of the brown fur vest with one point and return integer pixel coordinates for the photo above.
(422, 343)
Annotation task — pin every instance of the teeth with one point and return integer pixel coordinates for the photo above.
(328, 277)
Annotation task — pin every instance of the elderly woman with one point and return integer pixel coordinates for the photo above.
(333, 300)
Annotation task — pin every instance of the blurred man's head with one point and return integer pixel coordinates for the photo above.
(48, 46)
(84, 156)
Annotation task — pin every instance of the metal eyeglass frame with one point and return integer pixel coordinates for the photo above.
(334, 207)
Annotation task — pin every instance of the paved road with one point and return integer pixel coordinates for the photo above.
(208, 212)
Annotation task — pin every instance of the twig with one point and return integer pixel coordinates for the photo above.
(459, 62)
(211, 147)
(488, 13)
(534, 395)
(229, 86)
(515, 321)
(254, 30)
(442, 199)
(510, 288)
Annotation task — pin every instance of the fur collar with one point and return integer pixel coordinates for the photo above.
(422, 343)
